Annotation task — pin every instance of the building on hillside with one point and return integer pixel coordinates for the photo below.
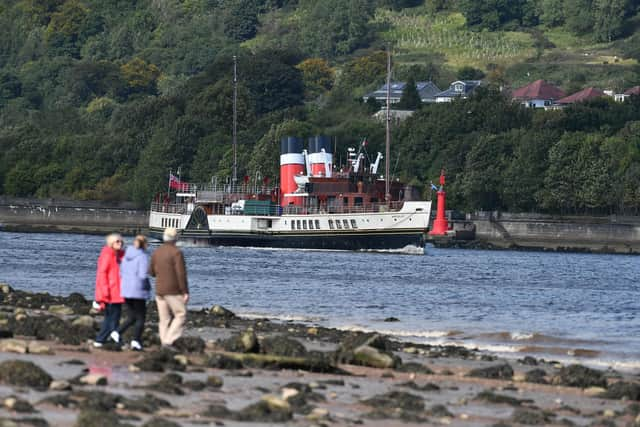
(633, 91)
(539, 94)
(427, 91)
(458, 89)
(621, 97)
(583, 95)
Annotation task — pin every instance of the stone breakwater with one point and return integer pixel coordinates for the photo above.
(50, 215)
(233, 371)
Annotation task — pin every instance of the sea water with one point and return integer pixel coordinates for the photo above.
(560, 306)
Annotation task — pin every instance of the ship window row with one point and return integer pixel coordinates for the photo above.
(170, 222)
(345, 224)
(303, 224)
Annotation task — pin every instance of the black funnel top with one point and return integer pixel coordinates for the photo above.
(291, 144)
(317, 143)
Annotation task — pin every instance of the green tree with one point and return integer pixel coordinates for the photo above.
(481, 179)
(578, 15)
(10, 86)
(522, 177)
(140, 75)
(317, 75)
(335, 27)
(469, 73)
(552, 12)
(609, 19)
(410, 99)
(241, 19)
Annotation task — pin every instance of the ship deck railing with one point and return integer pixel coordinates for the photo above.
(277, 210)
(226, 189)
(172, 208)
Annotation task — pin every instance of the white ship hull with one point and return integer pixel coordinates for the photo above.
(402, 229)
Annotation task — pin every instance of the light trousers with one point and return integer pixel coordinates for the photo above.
(172, 313)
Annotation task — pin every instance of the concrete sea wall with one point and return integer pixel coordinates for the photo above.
(43, 215)
(612, 234)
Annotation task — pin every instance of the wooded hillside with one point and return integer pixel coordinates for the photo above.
(99, 99)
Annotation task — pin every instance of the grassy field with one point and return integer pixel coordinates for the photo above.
(447, 35)
(563, 58)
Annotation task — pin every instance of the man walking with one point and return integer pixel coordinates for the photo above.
(172, 292)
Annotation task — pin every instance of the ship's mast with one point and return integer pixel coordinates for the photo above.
(235, 120)
(387, 155)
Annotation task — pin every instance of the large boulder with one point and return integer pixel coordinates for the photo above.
(282, 346)
(369, 356)
(368, 350)
(622, 390)
(498, 372)
(244, 342)
(269, 409)
(159, 361)
(25, 374)
(189, 344)
(579, 376)
(219, 311)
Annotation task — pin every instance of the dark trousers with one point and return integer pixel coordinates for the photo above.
(110, 323)
(136, 313)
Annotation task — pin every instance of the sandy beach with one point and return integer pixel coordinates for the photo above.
(238, 372)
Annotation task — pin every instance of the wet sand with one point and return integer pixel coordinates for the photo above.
(240, 372)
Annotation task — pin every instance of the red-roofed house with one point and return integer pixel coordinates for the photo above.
(633, 91)
(621, 97)
(583, 95)
(538, 94)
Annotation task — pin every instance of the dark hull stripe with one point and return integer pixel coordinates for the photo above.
(379, 240)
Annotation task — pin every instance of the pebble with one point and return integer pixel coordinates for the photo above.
(94, 379)
(14, 346)
(214, 381)
(312, 331)
(289, 392)
(38, 348)
(318, 414)
(464, 416)
(181, 359)
(594, 391)
(83, 321)
(609, 413)
(276, 403)
(410, 350)
(62, 310)
(59, 385)
(520, 378)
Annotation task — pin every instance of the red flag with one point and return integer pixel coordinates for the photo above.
(177, 184)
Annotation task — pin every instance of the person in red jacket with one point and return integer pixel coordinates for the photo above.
(108, 288)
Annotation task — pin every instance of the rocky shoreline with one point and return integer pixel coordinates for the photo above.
(237, 372)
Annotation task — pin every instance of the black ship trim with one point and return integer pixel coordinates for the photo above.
(349, 241)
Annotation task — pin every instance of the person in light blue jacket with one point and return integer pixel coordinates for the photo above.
(135, 289)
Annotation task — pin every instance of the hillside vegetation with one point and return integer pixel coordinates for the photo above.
(99, 99)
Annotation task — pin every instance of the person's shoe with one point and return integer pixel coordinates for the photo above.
(97, 344)
(115, 336)
(135, 346)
